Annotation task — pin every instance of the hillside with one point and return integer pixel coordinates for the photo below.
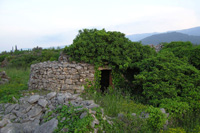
(170, 37)
(191, 31)
(138, 37)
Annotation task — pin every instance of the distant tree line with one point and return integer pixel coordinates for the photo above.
(24, 58)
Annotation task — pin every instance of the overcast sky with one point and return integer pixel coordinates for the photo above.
(47, 23)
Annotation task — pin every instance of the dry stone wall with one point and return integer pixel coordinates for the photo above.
(61, 75)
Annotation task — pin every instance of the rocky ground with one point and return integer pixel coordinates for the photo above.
(27, 115)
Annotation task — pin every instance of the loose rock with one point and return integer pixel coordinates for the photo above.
(43, 102)
(47, 127)
(35, 111)
(33, 99)
(84, 114)
(51, 95)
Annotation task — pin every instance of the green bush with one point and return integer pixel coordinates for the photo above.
(166, 76)
(101, 47)
(175, 108)
(194, 58)
(179, 49)
(156, 119)
(185, 51)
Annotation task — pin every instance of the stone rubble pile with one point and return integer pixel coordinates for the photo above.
(3, 78)
(27, 115)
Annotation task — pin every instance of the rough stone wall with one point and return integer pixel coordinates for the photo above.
(61, 75)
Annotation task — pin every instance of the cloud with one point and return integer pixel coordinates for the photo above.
(160, 19)
(49, 23)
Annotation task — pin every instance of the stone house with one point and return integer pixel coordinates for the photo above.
(64, 75)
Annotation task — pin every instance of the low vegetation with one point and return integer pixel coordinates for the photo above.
(144, 81)
(17, 84)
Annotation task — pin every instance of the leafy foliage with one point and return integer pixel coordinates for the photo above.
(101, 47)
(165, 76)
(185, 51)
(175, 108)
(179, 49)
(194, 58)
(156, 118)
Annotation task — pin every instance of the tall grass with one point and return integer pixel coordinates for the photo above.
(18, 82)
(115, 102)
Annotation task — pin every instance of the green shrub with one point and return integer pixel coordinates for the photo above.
(175, 108)
(179, 49)
(101, 47)
(194, 58)
(156, 119)
(165, 76)
(185, 51)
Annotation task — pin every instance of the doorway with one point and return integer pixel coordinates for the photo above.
(106, 80)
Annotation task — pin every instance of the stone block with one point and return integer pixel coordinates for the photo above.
(68, 81)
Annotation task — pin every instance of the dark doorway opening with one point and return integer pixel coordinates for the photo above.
(106, 80)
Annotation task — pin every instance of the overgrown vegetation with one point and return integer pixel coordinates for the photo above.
(169, 78)
(143, 81)
(100, 48)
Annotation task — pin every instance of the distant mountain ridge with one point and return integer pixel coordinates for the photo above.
(138, 37)
(170, 37)
(192, 31)
(192, 35)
